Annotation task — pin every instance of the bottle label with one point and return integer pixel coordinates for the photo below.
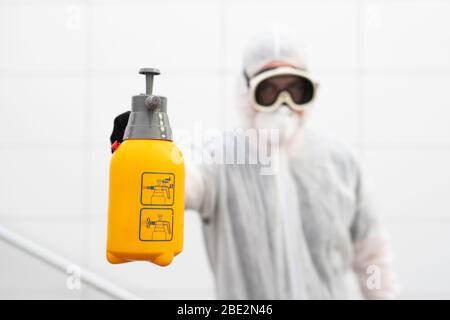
(157, 200)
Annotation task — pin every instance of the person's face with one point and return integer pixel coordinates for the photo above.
(268, 88)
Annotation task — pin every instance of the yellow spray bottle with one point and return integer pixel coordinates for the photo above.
(146, 191)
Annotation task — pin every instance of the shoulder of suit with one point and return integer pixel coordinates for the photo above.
(330, 149)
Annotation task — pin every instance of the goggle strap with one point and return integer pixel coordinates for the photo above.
(246, 77)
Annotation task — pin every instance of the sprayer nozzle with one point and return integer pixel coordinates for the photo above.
(148, 118)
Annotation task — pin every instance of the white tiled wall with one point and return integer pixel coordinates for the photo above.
(68, 67)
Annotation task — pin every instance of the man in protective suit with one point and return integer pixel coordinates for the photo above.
(304, 231)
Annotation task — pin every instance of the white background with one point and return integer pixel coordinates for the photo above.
(68, 67)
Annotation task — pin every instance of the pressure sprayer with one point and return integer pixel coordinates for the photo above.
(146, 191)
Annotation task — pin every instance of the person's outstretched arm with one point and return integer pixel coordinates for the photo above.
(373, 263)
(201, 189)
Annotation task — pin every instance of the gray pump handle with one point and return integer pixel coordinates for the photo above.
(149, 74)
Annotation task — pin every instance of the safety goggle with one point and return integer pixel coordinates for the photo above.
(284, 85)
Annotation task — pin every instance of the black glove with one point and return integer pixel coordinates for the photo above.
(120, 123)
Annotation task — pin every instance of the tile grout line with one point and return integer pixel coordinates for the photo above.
(88, 150)
(360, 45)
(323, 2)
(56, 218)
(19, 73)
(222, 58)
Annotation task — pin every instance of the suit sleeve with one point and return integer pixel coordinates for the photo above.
(202, 188)
(373, 263)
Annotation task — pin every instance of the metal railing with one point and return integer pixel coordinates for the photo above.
(62, 264)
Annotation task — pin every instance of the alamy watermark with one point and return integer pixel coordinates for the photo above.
(373, 281)
(73, 281)
(233, 147)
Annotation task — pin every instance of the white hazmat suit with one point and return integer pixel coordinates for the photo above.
(300, 233)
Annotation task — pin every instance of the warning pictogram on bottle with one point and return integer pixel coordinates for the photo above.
(157, 189)
(156, 224)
